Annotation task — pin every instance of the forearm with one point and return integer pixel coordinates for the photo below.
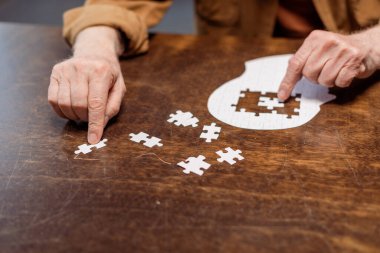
(130, 17)
(98, 41)
(370, 42)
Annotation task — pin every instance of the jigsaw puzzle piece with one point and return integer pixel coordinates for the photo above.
(270, 103)
(210, 132)
(86, 148)
(291, 106)
(147, 141)
(183, 119)
(248, 101)
(194, 165)
(229, 156)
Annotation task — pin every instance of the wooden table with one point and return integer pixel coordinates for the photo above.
(315, 188)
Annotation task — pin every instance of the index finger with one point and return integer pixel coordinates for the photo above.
(97, 101)
(294, 70)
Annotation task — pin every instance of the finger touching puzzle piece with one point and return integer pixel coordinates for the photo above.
(183, 119)
(270, 103)
(85, 148)
(210, 132)
(148, 141)
(194, 165)
(229, 156)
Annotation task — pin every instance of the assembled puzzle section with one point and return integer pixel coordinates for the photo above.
(258, 103)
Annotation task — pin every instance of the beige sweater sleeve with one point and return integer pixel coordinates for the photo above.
(132, 17)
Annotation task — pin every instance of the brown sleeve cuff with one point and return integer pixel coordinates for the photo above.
(134, 28)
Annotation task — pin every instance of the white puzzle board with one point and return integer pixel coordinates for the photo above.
(264, 75)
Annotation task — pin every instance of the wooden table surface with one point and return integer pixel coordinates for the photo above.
(315, 188)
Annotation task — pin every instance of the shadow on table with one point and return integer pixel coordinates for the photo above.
(358, 86)
(82, 127)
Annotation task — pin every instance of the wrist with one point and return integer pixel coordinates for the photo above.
(371, 40)
(374, 38)
(100, 41)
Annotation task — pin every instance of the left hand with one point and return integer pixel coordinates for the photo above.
(329, 59)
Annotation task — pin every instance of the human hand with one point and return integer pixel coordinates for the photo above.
(89, 86)
(332, 59)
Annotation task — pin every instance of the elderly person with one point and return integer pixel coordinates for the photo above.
(342, 43)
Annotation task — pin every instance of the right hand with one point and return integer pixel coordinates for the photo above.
(332, 59)
(88, 87)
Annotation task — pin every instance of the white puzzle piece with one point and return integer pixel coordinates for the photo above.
(210, 132)
(270, 103)
(85, 148)
(183, 119)
(229, 156)
(194, 165)
(143, 137)
(263, 75)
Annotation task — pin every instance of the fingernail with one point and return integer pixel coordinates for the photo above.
(92, 138)
(281, 94)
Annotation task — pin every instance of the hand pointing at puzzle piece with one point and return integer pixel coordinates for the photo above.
(332, 59)
(89, 86)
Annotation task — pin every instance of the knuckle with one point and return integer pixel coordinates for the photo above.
(54, 78)
(101, 67)
(309, 74)
(295, 64)
(332, 41)
(79, 105)
(345, 80)
(316, 33)
(51, 100)
(80, 65)
(354, 53)
(96, 104)
(57, 68)
(325, 82)
(341, 82)
(95, 124)
(113, 110)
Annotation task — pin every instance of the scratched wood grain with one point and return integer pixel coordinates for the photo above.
(315, 188)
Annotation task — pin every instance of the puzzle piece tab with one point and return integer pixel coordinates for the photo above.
(143, 137)
(229, 156)
(270, 103)
(194, 165)
(210, 132)
(183, 119)
(260, 103)
(292, 106)
(85, 148)
(248, 101)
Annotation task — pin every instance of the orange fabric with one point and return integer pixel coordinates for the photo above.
(236, 17)
(132, 17)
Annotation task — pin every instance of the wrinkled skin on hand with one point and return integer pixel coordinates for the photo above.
(89, 86)
(330, 59)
